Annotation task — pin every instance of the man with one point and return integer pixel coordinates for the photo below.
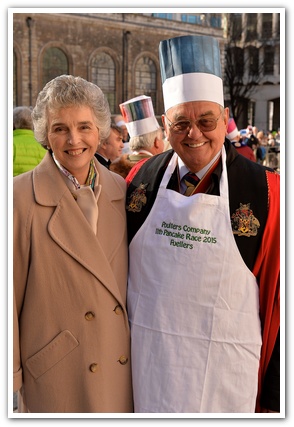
(119, 121)
(146, 138)
(234, 136)
(110, 148)
(203, 289)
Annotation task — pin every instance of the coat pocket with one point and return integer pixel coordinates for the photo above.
(51, 354)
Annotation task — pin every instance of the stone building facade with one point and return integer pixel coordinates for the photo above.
(119, 52)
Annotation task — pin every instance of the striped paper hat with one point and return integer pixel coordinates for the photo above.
(190, 70)
(232, 130)
(139, 115)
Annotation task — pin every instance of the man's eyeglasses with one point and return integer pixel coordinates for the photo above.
(205, 124)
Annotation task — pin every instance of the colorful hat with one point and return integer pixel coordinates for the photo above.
(190, 70)
(139, 115)
(232, 130)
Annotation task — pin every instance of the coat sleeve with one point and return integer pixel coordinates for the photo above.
(267, 272)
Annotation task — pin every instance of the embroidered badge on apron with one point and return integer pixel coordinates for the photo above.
(137, 199)
(244, 223)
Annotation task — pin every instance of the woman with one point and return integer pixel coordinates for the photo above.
(71, 332)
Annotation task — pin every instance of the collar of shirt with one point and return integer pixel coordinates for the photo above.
(183, 168)
(142, 152)
(102, 157)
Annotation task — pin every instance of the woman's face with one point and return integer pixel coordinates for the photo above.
(73, 137)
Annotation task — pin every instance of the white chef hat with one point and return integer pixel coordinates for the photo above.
(190, 70)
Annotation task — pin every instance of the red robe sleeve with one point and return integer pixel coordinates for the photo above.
(134, 170)
(267, 272)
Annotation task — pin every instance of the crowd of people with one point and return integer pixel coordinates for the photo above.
(256, 145)
(146, 254)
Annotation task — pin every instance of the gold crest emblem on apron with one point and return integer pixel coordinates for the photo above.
(244, 223)
(137, 199)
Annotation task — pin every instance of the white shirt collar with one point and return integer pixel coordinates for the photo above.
(183, 168)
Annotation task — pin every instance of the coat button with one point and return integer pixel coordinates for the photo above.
(89, 315)
(93, 367)
(118, 309)
(123, 360)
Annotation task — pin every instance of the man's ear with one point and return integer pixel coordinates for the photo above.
(165, 125)
(226, 115)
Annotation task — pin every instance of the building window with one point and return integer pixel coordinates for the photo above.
(236, 26)
(193, 19)
(103, 75)
(163, 15)
(237, 57)
(253, 61)
(54, 64)
(251, 33)
(146, 78)
(251, 112)
(215, 20)
(269, 60)
(267, 26)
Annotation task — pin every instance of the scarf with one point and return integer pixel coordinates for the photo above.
(91, 176)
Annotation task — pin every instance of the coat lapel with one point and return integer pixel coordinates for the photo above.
(69, 228)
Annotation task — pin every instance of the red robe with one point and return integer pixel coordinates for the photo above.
(267, 272)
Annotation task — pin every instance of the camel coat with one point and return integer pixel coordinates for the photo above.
(71, 331)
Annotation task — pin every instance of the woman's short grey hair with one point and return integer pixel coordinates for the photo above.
(69, 91)
(141, 142)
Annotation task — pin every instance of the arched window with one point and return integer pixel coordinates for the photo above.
(145, 78)
(103, 75)
(54, 64)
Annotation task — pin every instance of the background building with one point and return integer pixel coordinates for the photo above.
(119, 52)
(252, 70)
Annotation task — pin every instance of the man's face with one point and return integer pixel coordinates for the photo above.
(125, 133)
(196, 147)
(114, 145)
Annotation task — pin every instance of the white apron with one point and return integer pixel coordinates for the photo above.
(193, 306)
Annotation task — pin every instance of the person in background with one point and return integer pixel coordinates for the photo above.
(110, 149)
(261, 147)
(146, 137)
(27, 152)
(251, 140)
(277, 136)
(71, 339)
(234, 136)
(204, 248)
(119, 121)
